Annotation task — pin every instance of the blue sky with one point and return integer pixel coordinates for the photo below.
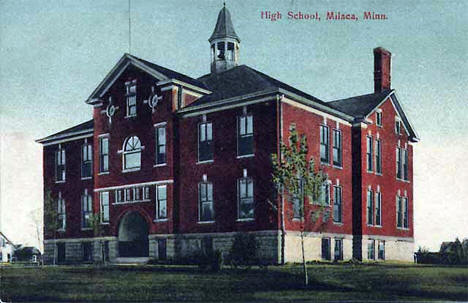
(54, 53)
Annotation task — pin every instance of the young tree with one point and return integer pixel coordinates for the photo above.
(296, 178)
(51, 223)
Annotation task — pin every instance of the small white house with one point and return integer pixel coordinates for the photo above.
(7, 249)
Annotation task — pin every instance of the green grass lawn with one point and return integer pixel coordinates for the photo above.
(279, 283)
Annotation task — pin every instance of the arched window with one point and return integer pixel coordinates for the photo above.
(132, 153)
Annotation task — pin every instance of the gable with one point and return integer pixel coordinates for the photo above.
(159, 73)
(399, 112)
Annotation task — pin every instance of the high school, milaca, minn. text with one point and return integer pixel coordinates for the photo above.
(316, 16)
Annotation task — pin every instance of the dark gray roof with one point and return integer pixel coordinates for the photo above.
(84, 127)
(170, 73)
(242, 80)
(359, 106)
(224, 27)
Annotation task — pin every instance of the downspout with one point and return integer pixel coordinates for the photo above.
(279, 98)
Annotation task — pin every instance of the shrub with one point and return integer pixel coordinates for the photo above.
(243, 250)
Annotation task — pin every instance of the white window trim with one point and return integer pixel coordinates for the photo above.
(239, 199)
(244, 114)
(122, 152)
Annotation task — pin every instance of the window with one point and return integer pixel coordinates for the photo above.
(161, 200)
(230, 51)
(162, 249)
(378, 157)
(87, 251)
(381, 253)
(324, 198)
(378, 208)
(86, 160)
(119, 196)
(398, 163)
(245, 136)
(324, 144)
(326, 249)
(246, 198)
(220, 53)
(128, 194)
(206, 211)
(378, 119)
(370, 207)
(205, 141)
(86, 210)
(298, 201)
(60, 164)
(338, 252)
(160, 144)
(61, 213)
(103, 154)
(132, 153)
(405, 213)
(369, 155)
(131, 98)
(104, 202)
(405, 164)
(371, 250)
(397, 126)
(337, 153)
(337, 205)
(402, 212)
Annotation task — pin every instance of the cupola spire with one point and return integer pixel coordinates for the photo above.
(224, 43)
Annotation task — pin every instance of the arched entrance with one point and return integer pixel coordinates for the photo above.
(133, 236)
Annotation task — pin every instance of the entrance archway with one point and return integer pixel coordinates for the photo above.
(133, 236)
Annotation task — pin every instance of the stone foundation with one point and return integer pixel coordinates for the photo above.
(185, 246)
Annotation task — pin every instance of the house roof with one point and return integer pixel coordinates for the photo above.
(5, 237)
(224, 27)
(170, 73)
(80, 129)
(242, 80)
(360, 106)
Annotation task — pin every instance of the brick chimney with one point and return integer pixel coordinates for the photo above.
(382, 69)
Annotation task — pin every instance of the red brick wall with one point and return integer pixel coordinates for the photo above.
(226, 169)
(308, 123)
(389, 185)
(142, 126)
(72, 189)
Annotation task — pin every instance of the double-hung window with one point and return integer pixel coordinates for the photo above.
(205, 197)
(381, 252)
(371, 250)
(205, 141)
(370, 207)
(161, 200)
(378, 208)
(405, 164)
(245, 135)
(61, 213)
(324, 144)
(86, 160)
(405, 212)
(298, 201)
(378, 156)
(60, 164)
(337, 148)
(397, 126)
(324, 197)
(369, 156)
(131, 98)
(378, 119)
(398, 162)
(103, 154)
(337, 205)
(104, 206)
(160, 144)
(132, 153)
(86, 209)
(402, 212)
(338, 252)
(246, 198)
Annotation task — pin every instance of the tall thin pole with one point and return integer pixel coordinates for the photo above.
(129, 28)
